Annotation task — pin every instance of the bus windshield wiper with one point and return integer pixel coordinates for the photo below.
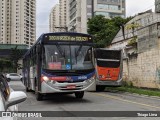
(78, 51)
(61, 51)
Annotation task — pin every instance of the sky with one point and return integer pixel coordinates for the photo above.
(44, 8)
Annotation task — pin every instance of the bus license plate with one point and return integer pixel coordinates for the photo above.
(71, 86)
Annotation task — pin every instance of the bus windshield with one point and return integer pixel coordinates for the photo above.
(67, 57)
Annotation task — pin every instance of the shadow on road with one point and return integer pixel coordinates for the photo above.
(109, 91)
(63, 98)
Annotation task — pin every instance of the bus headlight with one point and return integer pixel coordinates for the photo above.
(45, 78)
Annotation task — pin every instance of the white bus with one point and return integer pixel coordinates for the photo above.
(60, 62)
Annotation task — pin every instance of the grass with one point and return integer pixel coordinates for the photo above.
(140, 91)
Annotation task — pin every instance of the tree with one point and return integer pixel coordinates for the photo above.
(104, 29)
(5, 63)
(15, 55)
(96, 27)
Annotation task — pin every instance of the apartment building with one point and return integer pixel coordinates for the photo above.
(58, 17)
(81, 10)
(54, 19)
(63, 15)
(74, 14)
(110, 8)
(18, 22)
(157, 6)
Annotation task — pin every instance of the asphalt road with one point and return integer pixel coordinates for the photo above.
(93, 101)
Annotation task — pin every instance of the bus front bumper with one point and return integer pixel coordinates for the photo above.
(66, 87)
(109, 83)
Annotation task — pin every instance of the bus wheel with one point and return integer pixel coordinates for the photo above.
(100, 88)
(39, 96)
(79, 94)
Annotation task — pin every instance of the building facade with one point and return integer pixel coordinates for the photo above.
(141, 58)
(18, 22)
(74, 14)
(157, 6)
(81, 10)
(58, 17)
(54, 19)
(110, 8)
(63, 7)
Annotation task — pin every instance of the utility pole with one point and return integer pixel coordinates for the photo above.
(66, 28)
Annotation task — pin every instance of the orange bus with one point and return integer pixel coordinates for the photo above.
(109, 66)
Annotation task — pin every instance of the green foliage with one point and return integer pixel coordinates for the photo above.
(97, 27)
(140, 91)
(118, 21)
(104, 30)
(133, 41)
(4, 63)
(11, 64)
(132, 27)
(15, 55)
(127, 84)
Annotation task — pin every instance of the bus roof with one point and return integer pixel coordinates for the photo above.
(66, 33)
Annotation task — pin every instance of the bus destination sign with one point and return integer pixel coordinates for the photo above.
(68, 38)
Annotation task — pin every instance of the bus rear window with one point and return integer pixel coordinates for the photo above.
(109, 64)
(108, 54)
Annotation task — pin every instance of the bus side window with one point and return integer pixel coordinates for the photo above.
(43, 58)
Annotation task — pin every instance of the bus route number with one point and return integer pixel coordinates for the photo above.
(68, 38)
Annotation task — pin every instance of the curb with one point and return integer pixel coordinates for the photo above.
(155, 97)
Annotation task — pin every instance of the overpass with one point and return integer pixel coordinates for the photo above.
(5, 49)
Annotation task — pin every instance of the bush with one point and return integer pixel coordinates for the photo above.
(127, 84)
(5, 65)
(133, 41)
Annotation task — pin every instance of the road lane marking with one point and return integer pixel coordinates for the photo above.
(129, 101)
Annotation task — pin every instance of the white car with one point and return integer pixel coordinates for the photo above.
(13, 76)
(9, 98)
